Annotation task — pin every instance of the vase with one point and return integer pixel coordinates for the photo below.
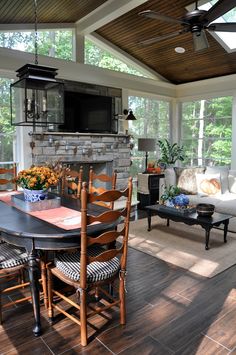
(35, 195)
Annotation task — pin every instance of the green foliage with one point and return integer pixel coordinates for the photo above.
(152, 121)
(207, 131)
(170, 153)
(169, 193)
(101, 58)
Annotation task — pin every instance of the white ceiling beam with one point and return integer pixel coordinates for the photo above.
(106, 13)
(31, 26)
(124, 56)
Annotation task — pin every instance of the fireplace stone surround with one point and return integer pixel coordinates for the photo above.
(105, 152)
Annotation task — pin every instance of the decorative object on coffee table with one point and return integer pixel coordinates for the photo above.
(169, 194)
(205, 209)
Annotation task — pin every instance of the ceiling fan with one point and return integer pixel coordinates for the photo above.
(196, 22)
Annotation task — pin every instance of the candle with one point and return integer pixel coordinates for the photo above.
(28, 105)
(44, 104)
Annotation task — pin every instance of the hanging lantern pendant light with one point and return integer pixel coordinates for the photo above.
(37, 98)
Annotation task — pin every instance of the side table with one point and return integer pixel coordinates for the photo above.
(148, 189)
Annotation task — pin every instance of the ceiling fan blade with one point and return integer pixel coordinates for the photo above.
(160, 38)
(219, 9)
(223, 27)
(200, 41)
(156, 16)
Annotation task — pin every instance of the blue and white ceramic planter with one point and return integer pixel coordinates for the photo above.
(35, 195)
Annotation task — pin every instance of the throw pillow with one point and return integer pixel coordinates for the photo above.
(232, 181)
(224, 172)
(186, 179)
(208, 184)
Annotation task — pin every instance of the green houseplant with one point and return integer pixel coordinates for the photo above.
(169, 194)
(170, 153)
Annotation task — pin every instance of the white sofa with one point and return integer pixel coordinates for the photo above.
(190, 181)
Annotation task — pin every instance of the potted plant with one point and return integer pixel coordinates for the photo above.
(35, 182)
(169, 194)
(170, 153)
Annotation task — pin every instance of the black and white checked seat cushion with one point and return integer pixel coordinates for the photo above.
(69, 265)
(11, 256)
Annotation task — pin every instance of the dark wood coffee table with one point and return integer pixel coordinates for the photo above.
(189, 218)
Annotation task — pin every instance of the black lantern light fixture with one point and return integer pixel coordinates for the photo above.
(37, 98)
(130, 115)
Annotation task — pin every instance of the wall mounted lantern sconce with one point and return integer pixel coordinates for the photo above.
(130, 115)
(37, 98)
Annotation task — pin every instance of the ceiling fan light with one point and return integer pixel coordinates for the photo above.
(200, 41)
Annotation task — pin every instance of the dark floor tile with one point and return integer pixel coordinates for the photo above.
(147, 346)
(196, 318)
(95, 347)
(201, 345)
(142, 323)
(35, 347)
(223, 331)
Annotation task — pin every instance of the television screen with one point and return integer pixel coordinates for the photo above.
(87, 113)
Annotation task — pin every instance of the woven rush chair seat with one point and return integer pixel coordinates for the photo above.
(11, 256)
(69, 265)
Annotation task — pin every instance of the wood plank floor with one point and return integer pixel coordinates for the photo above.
(169, 311)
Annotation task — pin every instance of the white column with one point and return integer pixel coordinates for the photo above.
(78, 47)
(233, 151)
(24, 152)
(175, 121)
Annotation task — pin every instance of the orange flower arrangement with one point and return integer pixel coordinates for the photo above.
(37, 178)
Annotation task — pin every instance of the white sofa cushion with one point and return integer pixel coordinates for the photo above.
(232, 181)
(224, 172)
(208, 184)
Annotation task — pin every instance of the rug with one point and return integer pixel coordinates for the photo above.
(184, 245)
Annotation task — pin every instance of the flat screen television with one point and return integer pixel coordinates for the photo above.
(87, 113)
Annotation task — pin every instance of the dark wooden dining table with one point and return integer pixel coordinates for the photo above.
(23, 230)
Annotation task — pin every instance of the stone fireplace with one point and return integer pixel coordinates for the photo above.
(105, 152)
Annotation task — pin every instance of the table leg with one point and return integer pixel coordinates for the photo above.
(226, 223)
(34, 285)
(207, 229)
(149, 217)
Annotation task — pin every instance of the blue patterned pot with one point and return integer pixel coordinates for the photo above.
(35, 195)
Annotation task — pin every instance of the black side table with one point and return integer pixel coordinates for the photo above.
(148, 189)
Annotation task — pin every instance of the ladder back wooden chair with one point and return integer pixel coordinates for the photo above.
(104, 179)
(7, 177)
(94, 268)
(72, 183)
(13, 261)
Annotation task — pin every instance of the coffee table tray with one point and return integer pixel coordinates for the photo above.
(179, 211)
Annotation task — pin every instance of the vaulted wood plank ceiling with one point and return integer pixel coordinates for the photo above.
(126, 30)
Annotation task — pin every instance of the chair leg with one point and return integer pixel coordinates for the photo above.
(50, 295)
(122, 301)
(44, 281)
(0, 307)
(96, 294)
(83, 317)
